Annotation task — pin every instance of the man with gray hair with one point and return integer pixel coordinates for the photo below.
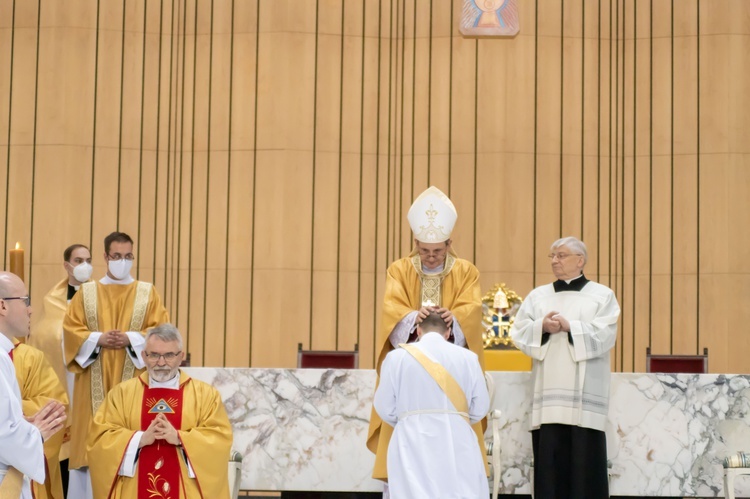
(162, 432)
(568, 328)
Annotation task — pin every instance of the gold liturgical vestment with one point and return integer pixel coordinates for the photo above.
(46, 327)
(405, 285)
(206, 437)
(118, 306)
(39, 384)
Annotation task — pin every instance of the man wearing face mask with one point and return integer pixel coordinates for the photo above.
(103, 333)
(46, 329)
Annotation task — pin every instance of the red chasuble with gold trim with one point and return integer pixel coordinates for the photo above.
(158, 464)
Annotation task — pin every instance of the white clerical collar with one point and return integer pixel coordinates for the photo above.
(5, 344)
(436, 270)
(432, 336)
(173, 383)
(568, 281)
(108, 280)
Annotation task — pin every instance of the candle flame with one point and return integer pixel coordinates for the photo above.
(18, 245)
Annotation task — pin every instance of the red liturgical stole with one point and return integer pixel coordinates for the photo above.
(159, 463)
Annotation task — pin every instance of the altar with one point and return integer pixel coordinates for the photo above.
(305, 429)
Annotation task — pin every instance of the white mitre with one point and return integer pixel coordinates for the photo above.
(432, 216)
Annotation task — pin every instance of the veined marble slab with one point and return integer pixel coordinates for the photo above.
(305, 429)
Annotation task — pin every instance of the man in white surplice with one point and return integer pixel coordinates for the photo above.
(434, 452)
(21, 440)
(568, 328)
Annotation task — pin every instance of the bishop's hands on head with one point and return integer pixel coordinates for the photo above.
(444, 313)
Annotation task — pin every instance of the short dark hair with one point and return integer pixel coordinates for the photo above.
(119, 237)
(70, 249)
(433, 323)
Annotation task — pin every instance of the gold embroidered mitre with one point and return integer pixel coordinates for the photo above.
(432, 216)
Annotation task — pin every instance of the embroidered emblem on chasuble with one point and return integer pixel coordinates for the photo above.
(158, 463)
(161, 406)
(430, 283)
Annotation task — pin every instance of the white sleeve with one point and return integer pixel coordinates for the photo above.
(191, 472)
(526, 330)
(384, 401)
(22, 445)
(137, 343)
(479, 402)
(458, 334)
(403, 329)
(89, 351)
(596, 337)
(127, 468)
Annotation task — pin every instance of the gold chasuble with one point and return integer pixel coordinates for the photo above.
(46, 327)
(98, 307)
(406, 289)
(39, 384)
(195, 410)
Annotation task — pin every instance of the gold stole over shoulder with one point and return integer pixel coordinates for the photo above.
(89, 291)
(431, 282)
(452, 389)
(12, 484)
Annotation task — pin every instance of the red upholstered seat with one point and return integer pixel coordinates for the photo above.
(328, 359)
(697, 364)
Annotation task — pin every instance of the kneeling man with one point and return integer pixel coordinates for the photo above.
(435, 395)
(161, 434)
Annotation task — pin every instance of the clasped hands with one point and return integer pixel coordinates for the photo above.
(159, 429)
(446, 314)
(114, 339)
(50, 419)
(553, 322)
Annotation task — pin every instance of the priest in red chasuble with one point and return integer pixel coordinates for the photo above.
(162, 434)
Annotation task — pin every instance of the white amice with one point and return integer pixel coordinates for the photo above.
(305, 429)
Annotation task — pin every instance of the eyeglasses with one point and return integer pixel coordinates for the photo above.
(435, 252)
(117, 257)
(561, 256)
(26, 299)
(169, 356)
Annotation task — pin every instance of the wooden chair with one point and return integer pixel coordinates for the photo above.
(692, 364)
(328, 359)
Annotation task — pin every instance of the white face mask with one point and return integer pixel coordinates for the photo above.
(82, 272)
(120, 269)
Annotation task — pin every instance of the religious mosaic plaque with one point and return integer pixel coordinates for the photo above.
(489, 18)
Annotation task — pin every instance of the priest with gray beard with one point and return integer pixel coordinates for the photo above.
(568, 328)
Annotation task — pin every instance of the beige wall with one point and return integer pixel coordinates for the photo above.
(264, 153)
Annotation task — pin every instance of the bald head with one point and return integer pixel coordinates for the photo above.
(15, 315)
(9, 281)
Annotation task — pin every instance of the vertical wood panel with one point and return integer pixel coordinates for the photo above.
(264, 162)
